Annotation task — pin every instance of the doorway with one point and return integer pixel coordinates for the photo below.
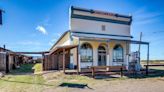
(101, 56)
(7, 63)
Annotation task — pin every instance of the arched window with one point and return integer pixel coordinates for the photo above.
(118, 53)
(86, 53)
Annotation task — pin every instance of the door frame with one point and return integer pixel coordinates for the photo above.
(105, 46)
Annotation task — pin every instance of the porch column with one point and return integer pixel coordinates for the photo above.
(78, 55)
(58, 61)
(127, 54)
(95, 56)
(64, 60)
(108, 59)
(110, 53)
(147, 67)
(77, 59)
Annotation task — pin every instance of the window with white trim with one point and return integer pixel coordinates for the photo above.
(118, 53)
(86, 53)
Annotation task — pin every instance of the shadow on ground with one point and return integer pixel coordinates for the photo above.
(74, 85)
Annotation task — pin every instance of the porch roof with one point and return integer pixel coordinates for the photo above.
(100, 35)
(60, 48)
(109, 39)
(41, 52)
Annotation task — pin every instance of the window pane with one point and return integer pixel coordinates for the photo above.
(118, 54)
(86, 53)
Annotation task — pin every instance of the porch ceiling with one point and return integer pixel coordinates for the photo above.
(108, 40)
(60, 48)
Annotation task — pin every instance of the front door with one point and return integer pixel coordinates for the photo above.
(101, 56)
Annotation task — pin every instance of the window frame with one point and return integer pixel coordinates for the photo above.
(122, 57)
(91, 48)
(103, 27)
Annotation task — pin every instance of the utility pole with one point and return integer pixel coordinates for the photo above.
(140, 41)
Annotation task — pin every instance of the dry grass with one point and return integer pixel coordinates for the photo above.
(20, 81)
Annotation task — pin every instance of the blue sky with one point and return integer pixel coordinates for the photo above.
(34, 25)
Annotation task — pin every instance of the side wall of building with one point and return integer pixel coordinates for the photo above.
(2, 61)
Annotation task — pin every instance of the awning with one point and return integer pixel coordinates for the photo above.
(41, 52)
(99, 35)
(60, 48)
(108, 40)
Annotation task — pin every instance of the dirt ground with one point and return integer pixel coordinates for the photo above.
(128, 85)
(24, 80)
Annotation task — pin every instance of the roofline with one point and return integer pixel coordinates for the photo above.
(60, 38)
(62, 47)
(131, 41)
(100, 19)
(41, 52)
(92, 11)
(6, 49)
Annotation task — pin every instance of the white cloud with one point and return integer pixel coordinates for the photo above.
(41, 29)
(142, 16)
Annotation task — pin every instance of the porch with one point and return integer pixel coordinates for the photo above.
(61, 57)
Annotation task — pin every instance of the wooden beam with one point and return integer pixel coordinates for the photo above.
(64, 60)
(42, 52)
(77, 51)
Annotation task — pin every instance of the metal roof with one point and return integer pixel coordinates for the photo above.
(108, 40)
(60, 48)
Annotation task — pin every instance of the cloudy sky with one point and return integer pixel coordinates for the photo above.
(35, 25)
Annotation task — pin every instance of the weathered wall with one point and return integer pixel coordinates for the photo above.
(2, 62)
